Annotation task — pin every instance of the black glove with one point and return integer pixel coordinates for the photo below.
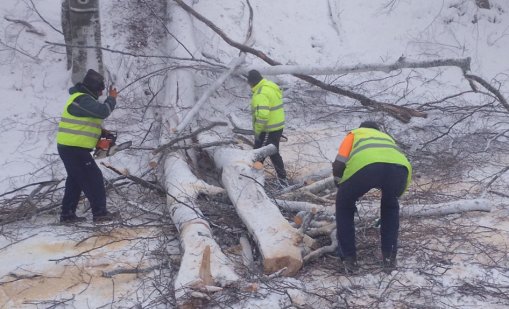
(337, 181)
(257, 140)
(106, 134)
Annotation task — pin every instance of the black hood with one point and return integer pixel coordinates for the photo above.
(80, 87)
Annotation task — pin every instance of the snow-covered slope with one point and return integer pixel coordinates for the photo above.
(455, 261)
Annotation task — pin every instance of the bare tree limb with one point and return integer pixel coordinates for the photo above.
(29, 26)
(234, 64)
(192, 134)
(401, 113)
(44, 19)
(490, 88)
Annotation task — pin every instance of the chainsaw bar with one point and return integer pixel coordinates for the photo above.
(122, 146)
(100, 153)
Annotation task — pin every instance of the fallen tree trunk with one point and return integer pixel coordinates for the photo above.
(402, 63)
(446, 208)
(278, 242)
(203, 264)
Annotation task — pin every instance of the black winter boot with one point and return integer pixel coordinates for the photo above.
(72, 218)
(350, 264)
(106, 216)
(389, 262)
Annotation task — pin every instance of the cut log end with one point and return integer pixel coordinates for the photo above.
(272, 265)
(257, 165)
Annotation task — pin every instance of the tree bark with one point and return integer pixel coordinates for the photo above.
(203, 264)
(278, 242)
(402, 63)
(81, 26)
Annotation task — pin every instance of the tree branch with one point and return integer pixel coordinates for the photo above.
(403, 114)
(490, 88)
(192, 134)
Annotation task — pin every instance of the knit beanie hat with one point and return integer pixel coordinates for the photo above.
(370, 124)
(254, 77)
(94, 81)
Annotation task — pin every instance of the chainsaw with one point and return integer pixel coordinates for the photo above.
(106, 146)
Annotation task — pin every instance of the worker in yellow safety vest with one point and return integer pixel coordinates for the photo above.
(268, 118)
(368, 158)
(78, 132)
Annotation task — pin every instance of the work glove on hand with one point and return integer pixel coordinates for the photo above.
(107, 134)
(112, 92)
(257, 140)
(336, 181)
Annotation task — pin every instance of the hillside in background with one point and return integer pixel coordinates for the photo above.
(458, 144)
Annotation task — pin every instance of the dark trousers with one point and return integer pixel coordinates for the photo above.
(83, 175)
(273, 138)
(391, 180)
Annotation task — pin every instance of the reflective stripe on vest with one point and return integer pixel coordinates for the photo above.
(78, 131)
(372, 146)
(274, 104)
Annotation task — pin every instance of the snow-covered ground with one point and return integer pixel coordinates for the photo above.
(454, 261)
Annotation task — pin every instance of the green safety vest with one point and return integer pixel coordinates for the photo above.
(267, 107)
(372, 146)
(78, 131)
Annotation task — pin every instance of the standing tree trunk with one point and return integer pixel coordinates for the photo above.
(81, 26)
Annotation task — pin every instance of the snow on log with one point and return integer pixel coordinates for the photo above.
(278, 242)
(203, 264)
(401, 63)
(446, 208)
(202, 259)
(297, 206)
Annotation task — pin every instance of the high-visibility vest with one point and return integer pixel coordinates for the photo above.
(267, 107)
(78, 131)
(372, 146)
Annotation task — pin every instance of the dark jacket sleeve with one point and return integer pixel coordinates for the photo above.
(87, 106)
(338, 168)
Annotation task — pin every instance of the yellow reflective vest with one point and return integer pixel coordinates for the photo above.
(78, 131)
(372, 146)
(267, 107)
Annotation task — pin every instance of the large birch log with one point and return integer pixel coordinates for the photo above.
(278, 242)
(203, 264)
